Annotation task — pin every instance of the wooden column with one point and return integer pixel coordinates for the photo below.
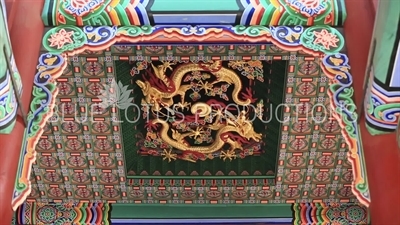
(26, 31)
(381, 153)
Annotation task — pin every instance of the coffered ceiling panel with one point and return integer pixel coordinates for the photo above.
(293, 139)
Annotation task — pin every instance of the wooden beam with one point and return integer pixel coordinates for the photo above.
(382, 156)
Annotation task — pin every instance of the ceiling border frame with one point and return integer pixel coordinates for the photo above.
(319, 41)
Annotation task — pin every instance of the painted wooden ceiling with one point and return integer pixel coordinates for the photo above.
(81, 147)
(84, 153)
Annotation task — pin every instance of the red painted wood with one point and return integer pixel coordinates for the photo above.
(383, 167)
(9, 151)
(375, 3)
(381, 153)
(11, 6)
(26, 33)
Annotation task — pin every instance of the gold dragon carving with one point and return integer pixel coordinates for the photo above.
(155, 97)
(237, 124)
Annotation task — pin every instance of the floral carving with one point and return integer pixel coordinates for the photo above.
(61, 38)
(326, 39)
(82, 7)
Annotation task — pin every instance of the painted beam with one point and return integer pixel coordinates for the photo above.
(330, 213)
(135, 211)
(259, 221)
(382, 102)
(32, 213)
(8, 92)
(384, 167)
(166, 12)
(299, 213)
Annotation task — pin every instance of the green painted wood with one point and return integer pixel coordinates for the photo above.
(194, 5)
(194, 12)
(386, 26)
(185, 211)
(200, 177)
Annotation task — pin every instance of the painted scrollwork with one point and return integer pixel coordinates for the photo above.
(382, 114)
(318, 38)
(287, 35)
(322, 38)
(337, 68)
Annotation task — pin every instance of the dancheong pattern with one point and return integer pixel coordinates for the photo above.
(330, 213)
(63, 214)
(81, 158)
(8, 92)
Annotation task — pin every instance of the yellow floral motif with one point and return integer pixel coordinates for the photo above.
(168, 155)
(229, 154)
